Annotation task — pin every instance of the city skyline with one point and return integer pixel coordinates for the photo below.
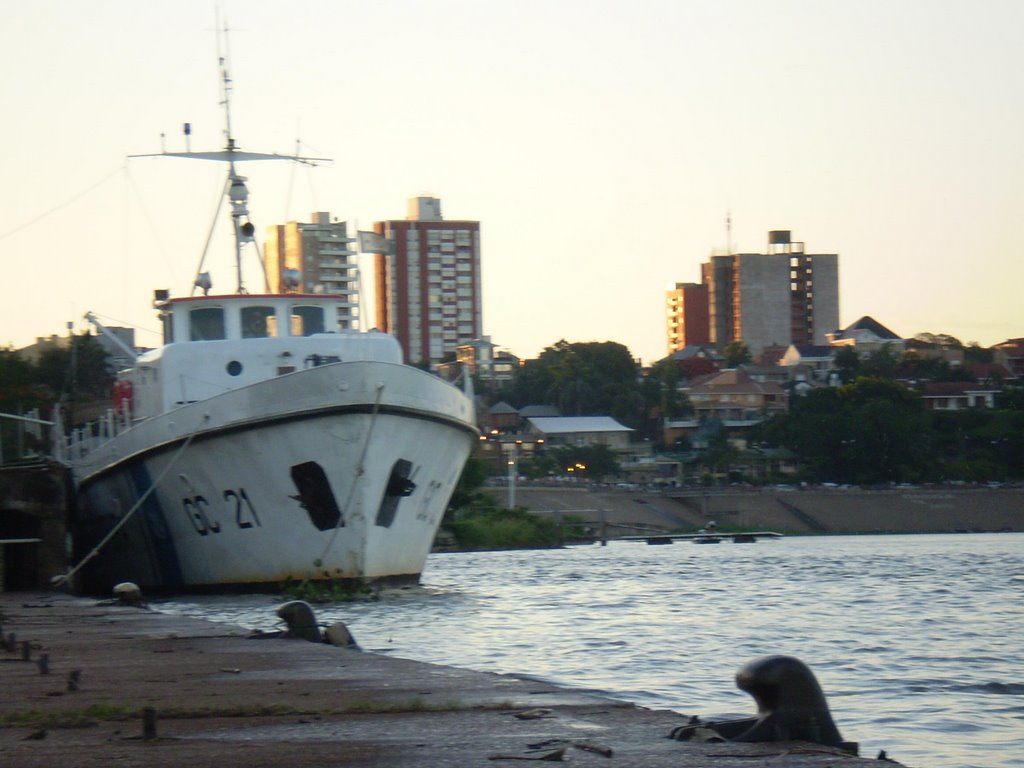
(600, 146)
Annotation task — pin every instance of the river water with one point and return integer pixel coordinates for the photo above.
(917, 641)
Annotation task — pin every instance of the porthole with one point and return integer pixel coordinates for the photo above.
(234, 368)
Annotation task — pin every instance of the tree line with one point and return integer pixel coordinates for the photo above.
(68, 376)
(872, 429)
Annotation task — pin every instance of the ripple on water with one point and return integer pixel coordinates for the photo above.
(911, 663)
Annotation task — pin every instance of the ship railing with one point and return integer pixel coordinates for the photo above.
(84, 439)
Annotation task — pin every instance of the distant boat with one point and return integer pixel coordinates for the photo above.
(263, 442)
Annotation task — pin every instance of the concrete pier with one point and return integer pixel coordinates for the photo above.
(134, 687)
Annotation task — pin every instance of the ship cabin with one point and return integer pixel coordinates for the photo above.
(213, 344)
(252, 316)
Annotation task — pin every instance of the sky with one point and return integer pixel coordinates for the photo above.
(601, 144)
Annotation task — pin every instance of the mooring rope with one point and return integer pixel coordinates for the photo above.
(66, 577)
(359, 472)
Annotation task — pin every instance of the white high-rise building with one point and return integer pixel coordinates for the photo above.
(314, 257)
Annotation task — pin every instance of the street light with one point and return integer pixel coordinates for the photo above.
(512, 456)
(513, 470)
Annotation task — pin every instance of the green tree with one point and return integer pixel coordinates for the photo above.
(719, 455)
(880, 363)
(19, 385)
(81, 371)
(661, 390)
(1011, 398)
(975, 353)
(872, 431)
(941, 340)
(583, 379)
(979, 443)
(736, 353)
(847, 364)
(467, 489)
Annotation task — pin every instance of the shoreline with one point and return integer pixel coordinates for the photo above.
(221, 697)
(788, 510)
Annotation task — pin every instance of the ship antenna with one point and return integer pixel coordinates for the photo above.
(237, 193)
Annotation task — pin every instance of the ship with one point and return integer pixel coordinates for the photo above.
(264, 442)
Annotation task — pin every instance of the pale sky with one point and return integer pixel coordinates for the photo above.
(600, 143)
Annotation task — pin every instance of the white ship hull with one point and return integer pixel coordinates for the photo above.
(342, 471)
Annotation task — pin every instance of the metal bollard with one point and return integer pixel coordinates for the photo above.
(44, 664)
(149, 723)
(26, 650)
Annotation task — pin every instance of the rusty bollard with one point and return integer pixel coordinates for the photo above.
(11, 643)
(149, 723)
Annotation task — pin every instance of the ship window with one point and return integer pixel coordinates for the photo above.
(307, 320)
(207, 324)
(257, 322)
(399, 486)
(315, 495)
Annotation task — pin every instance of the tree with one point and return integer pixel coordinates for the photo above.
(81, 371)
(880, 363)
(847, 364)
(661, 390)
(736, 353)
(719, 454)
(975, 353)
(583, 379)
(943, 340)
(19, 387)
(1011, 398)
(979, 444)
(872, 431)
(467, 489)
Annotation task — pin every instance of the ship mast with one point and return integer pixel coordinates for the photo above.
(235, 188)
(238, 193)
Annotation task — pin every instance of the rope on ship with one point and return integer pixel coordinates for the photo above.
(66, 577)
(359, 472)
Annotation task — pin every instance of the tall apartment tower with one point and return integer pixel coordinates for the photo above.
(782, 297)
(428, 292)
(686, 316)
(314, 257)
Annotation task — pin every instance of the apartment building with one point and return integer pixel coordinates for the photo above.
(686, 316)
(314, 257)
(782, 297)
(428, 285)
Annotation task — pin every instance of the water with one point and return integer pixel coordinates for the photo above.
(917, 641)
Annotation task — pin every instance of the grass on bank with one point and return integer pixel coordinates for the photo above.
(97, 713)
(491, 528)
